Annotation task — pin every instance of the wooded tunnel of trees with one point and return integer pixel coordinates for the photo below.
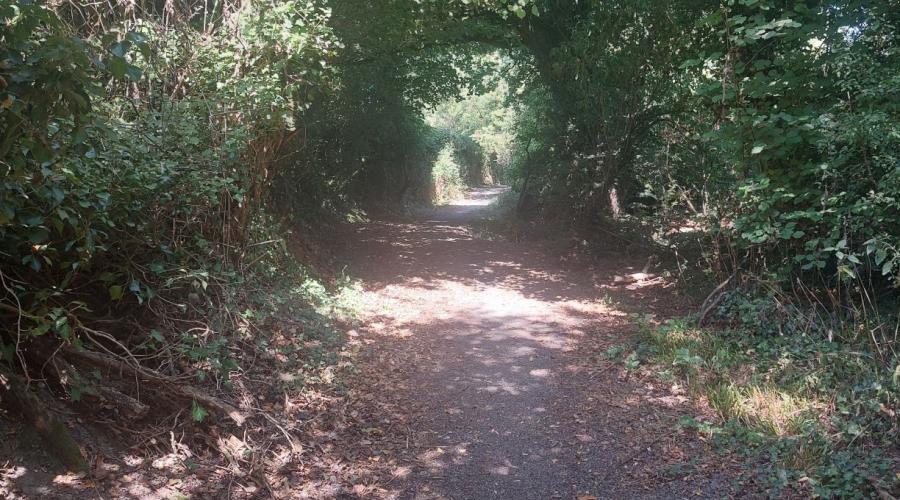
(170, 167)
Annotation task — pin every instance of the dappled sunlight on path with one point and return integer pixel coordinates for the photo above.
(498, 351)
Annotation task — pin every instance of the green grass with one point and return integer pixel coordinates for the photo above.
(811, 416)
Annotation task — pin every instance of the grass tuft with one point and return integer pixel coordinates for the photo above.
(822, 415)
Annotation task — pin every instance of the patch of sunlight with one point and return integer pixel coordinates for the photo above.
(490, 195)
(670, 340)
(14, 472)
(356, 215)
(433, 459)
(602, 306)
(499, 263)
(671, 401)
(777, 411)
(401, 472)
(500, 470)
(764, 408)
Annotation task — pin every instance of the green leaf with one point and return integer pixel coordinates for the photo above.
(115, 292)
(107, 276)
(157, 336)
(31, 219)
(118, 49)
(31, 261)
(197, 411)
(6, 214)
(133, 72)
(40, 329)
(37, 235)
(7, 351)
(118, 67)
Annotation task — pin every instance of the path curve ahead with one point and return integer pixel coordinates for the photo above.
(499, 355)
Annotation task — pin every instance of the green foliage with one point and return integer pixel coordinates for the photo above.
(366, 142)
(589, 122)
(446, 174)
(773, 123)
(45, 87)
(819, 415)
(809, 98)
(198, 414)
(481, 125)
(135, 167)
(152, 158)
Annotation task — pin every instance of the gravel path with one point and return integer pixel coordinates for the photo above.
(500, 356)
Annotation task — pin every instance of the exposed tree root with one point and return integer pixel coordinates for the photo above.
(125, 404)
(56, 436)
(176, 388)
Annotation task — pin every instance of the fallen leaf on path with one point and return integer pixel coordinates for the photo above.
(584, 438)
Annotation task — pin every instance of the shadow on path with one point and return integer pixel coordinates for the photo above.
(502, 357)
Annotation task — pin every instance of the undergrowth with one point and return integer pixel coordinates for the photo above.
(297, 323)
(807, 415)
(445, 173)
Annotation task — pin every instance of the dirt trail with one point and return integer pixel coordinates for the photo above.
(496, 354)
